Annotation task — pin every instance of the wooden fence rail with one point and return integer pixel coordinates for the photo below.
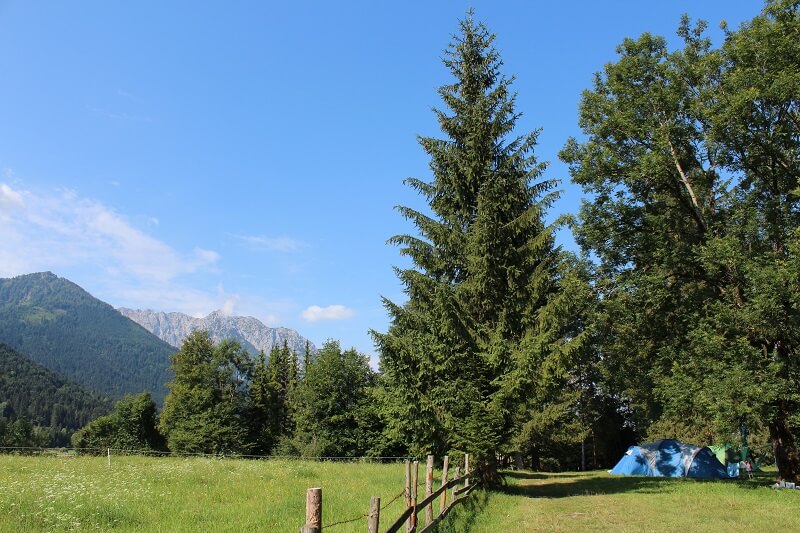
(460, 486)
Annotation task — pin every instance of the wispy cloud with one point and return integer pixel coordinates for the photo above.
(126, 117)
(316, 313)
(63, 230)
(117, 257)
(10, 200)
(271, 244)
(121, 116)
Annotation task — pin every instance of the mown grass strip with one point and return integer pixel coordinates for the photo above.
(596, 501)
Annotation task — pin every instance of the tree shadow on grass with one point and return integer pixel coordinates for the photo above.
(545, 485)
(463, 517)
(522, 474)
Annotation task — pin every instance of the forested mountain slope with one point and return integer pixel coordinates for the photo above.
(62, 327)
(29, 390)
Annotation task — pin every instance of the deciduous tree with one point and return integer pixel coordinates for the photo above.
(691, 163)
(204, 411)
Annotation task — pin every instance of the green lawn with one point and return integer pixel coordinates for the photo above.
(203, 494)
(596, 501)
(185, 494)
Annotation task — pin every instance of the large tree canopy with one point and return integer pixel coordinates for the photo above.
(691, 164)
(205, 408)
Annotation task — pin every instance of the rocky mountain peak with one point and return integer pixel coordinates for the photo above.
(250, 332)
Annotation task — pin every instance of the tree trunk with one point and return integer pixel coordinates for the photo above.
(787, 458)
(487, 471)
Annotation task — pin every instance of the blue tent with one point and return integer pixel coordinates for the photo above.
(633, 463)
(670, 458)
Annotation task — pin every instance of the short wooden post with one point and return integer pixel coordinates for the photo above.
(409, 527)
(429, 490)
(466, 470)
(456, 473)
(313, 511)
(414, 486)
(445, 465)
(374, 514)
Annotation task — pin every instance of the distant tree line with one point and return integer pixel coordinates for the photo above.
(222, 402)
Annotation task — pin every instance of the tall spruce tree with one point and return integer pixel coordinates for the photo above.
(463, 352)
(263, 429)
(270, 391)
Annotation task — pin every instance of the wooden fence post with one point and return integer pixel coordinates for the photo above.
(466, 470)
(374, 514)
(455, 487)
(445, 465)
(313, 511)
(429, 490)
(414, 486)
(408, 494)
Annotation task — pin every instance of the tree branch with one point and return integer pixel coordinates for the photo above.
(698, 212)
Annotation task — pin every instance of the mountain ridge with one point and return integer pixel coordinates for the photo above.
(250, 332)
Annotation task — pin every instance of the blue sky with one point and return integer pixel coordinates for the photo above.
(247, 156)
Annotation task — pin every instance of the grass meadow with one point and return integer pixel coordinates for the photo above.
(40, 493)
(596, 501)
(186, 494)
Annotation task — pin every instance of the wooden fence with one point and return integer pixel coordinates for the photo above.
(458, 488)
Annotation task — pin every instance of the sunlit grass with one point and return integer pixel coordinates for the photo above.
(205, 494)
(185, 494)
(597, 501)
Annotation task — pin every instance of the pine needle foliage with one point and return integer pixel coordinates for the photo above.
(464, 351)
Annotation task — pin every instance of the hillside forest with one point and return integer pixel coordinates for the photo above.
(678, 317)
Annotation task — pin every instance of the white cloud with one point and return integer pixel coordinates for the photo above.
(10, 200)
(172, 297)
(116, 258)
(315, 313)
(230, 301)
(206, 256)
(229, 307)
(271, 244)
(63, 230)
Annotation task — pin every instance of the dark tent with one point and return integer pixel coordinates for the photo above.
(670, 458)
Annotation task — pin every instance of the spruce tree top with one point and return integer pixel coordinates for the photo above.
(475, 163)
